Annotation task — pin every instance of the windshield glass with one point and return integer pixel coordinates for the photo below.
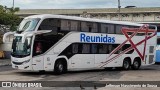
(21, 49)
(28, 24)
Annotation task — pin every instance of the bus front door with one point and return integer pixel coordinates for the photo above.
(38, 63)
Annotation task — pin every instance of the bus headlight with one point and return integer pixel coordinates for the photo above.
(26, 61)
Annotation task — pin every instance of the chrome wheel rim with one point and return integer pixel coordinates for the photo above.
(126, 65)
(60, 67)
(136, 64)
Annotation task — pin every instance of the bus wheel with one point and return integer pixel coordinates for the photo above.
(59, 67)
(126, 64)
(136, 65)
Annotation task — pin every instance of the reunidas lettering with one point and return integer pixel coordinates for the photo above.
(101, 38)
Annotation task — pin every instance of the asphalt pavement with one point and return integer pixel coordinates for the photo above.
(146, 73)
(4, 62)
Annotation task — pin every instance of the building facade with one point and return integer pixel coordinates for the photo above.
(140, 15)
(151, 15)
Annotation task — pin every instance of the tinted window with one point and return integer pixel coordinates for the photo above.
(103, 48)
(107, 28)
(158, 41)
(49, 24)
(86, 48)
(158, 28)
(84, 27)
(118, 29)
(94, 48)
(67, 25)
(45, 42)
(94, 27)
(74, 25)
(75, 48)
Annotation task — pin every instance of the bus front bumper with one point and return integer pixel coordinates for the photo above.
(26, 65)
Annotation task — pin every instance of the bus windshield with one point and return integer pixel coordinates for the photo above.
(28, 24)
(21, 49)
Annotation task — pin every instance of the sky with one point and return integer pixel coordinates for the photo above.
(74, 4)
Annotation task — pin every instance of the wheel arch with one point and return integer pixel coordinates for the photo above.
(127, 58)
(63, 59)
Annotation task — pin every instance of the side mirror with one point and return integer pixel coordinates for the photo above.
(7, 36)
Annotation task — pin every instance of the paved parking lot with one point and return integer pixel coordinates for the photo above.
(147, 73)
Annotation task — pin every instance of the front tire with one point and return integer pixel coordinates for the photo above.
(59, 67)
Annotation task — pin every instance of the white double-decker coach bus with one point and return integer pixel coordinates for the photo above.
(63, 43)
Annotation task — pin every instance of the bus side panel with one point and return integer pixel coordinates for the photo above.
(49, 62)
(118, 62)
(38, 63)
(82, 61)
(99, 59)
(102, 60)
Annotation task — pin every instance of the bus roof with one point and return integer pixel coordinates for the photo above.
(44, 16)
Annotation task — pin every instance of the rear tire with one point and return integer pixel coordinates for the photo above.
(136, 65)
(59, 67)
(126, 64)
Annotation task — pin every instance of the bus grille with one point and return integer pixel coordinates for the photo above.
(17, 63)
(151, 59)
(151, 49)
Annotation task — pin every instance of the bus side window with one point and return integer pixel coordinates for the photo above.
(85, 48)
(65, 25)
(158, 41)
(75, 48)
(115, 46)
(118, 29)
(107, 28)
(104, 28)
(49, 24)
(111, 29)
(93, 27)
(158, 28)
(93, 48)
(126, 46)
(69, 25)
(74, 25)
(103, 49)
(84, 27)
(37, 48)
(110, 48)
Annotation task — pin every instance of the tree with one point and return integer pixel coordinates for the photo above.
(7, 17)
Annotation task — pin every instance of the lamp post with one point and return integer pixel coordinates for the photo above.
(119, 8)
(13, 4)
